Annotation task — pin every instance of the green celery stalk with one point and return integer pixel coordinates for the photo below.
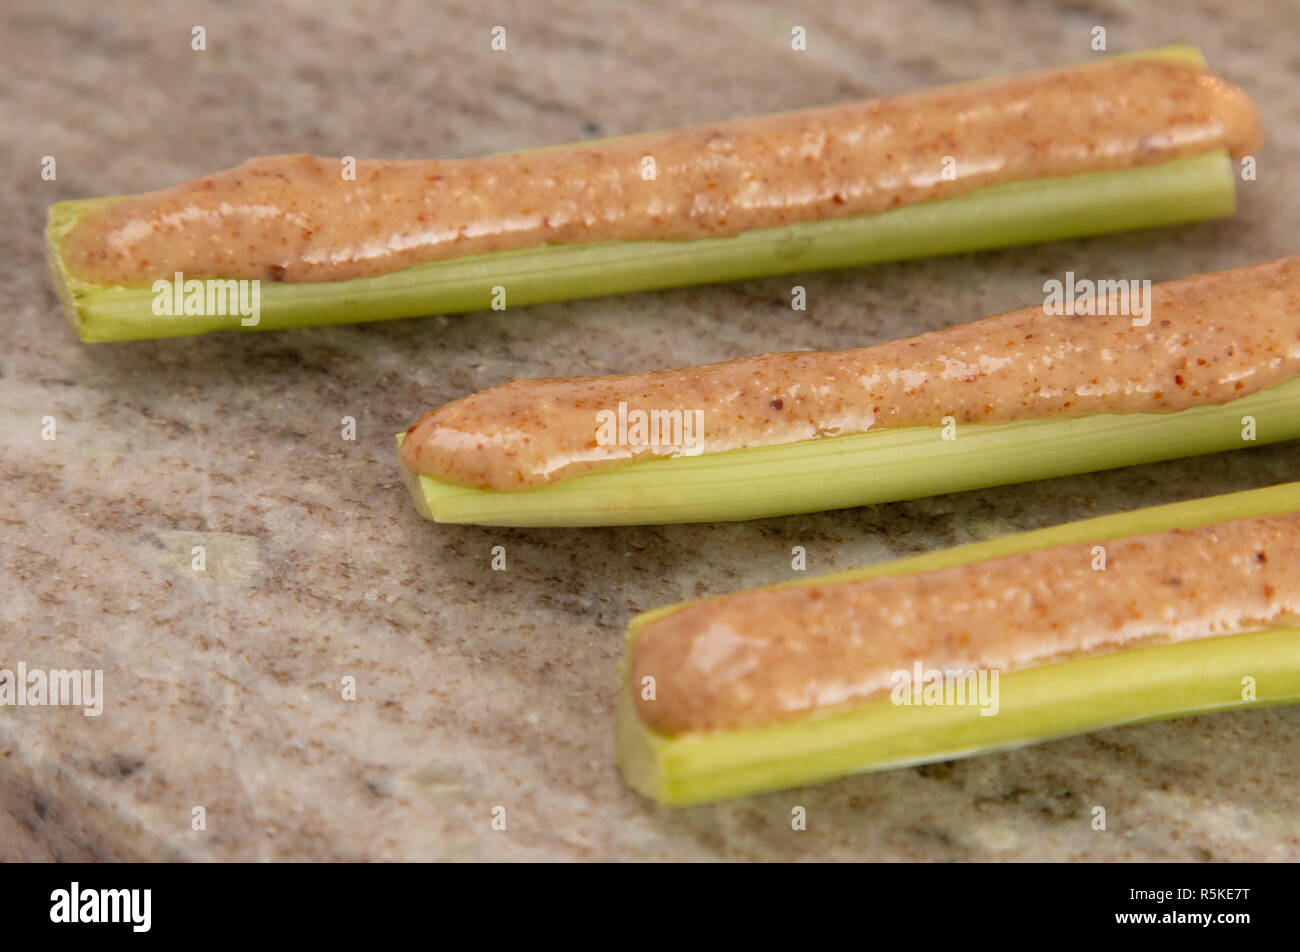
(1036, 704)
(1179, 191)
(863, 468)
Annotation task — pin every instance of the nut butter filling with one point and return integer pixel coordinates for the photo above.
(296, 218)
(1207, 340)
(767, 657)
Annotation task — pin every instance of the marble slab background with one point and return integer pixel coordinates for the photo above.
(479, 688)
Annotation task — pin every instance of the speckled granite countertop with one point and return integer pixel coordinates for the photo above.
(478, 688)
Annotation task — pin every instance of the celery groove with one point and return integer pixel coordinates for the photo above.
(1037, 704)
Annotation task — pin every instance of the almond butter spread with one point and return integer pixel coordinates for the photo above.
(1207, 339)
(765, 657)
(300, 218)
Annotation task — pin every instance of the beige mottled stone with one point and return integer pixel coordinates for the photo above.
(478, 688)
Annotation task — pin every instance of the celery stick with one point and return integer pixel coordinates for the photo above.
(864, 468)
(1035, 704)
(1016, 213)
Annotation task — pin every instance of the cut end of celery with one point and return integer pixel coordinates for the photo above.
(636, 751)
(864, 468)
(412, 481)
(1035, 705)
(71, 291)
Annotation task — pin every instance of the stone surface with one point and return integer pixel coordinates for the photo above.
(478, 688)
